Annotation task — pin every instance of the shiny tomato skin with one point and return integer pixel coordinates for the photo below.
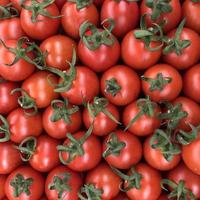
(129, 155)
(127, 79)
(10, 157)
(73, 18)
(155, 158)
(103, 125)
(132, 47)
(75, 182)
(105, 179)
(36, 188)
(91, 157)
(39, 88)
(59, 48)
(191, 82)
(18, 71)
(122, 12)
(171, 90)
(150, 184)
(84, 87)
(45, 157)
(43, 28)
(8, 102)
(143, 126)
(172, 18)
(2, 183)
(190, 55)
(59, 128)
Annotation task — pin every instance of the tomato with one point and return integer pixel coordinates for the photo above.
(45, 156)
(191, 11)
(38, 87)
(122, 149)
(104, 179)
(40, 27)
(136, 55)
(60, 3)
(10, 158)
(172, 18)
(120, 85)
(191, 80)
(8, 102)
(17, 71)
(4, 2)
(84, 87)
(155, 158)
(91, 148)
(2, 183)
(149, 184)
(59, 180)
(163, 197)
(121, 196)
(61, 118)
(59, 50)
(122, 12)
(74, 15)
(162, 83)
(24, 183)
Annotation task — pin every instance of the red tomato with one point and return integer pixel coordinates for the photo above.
(104, 179)
(191, 82)
(136, 55)
(155, 158)
(59, 48)
(122, 12)
(39, 88)
(120, 85)
(2, 183)
(122, 149)
(172, 18)
(73, 17)
(163, 197)
(24, 183)
(18, 71)
(45, 156)
(4, 2)
(57, 182)
(10, 158)
(163, 83)
(121, 196)
(43, 27)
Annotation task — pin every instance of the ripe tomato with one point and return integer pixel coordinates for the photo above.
(162, 83)
(121, 196)
(122, 12)
(24, 183)
(2, 183)
(63, 183)
(39, 27)
(191, 81)
(39, 88)
(103, 178)
(59, 50)
(4, 2)
(10, 158)
(132, 47)
(163, 197)
(155, 158)
(74, 15)
(19, 70)
(120, 85)
(45, 156)
(172, 18)
(122, 149)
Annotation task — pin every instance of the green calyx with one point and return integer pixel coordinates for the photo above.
(61, 111)
(195, 1)
(74, 148)
(4, 130)
(8, 11)
(96, 38)
(60, 184)
(89, 192)
(114, 146)
(176, 44)
(158, 83)
(81, 3)
(158, 7)
(112, 87)
(179, 191)
(21, 185)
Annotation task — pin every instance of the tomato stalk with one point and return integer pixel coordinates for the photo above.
(4, 129)
(81, 3)
(8, 11)
(112, 87)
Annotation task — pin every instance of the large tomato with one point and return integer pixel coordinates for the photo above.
(24, 183)
(2, 183)
(120, 85)
(63, 183)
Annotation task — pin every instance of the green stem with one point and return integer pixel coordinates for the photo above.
(4, 129)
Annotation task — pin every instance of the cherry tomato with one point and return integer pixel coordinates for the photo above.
(2, 183)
